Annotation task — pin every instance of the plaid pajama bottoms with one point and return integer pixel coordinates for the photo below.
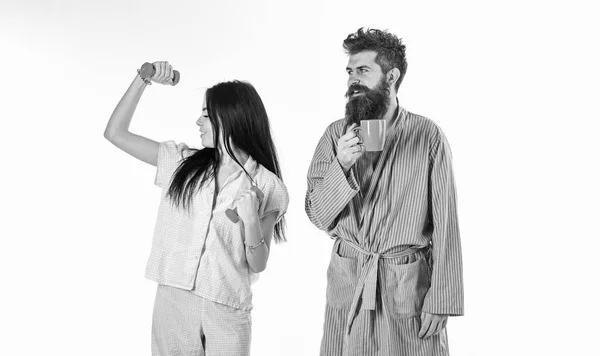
(184, 324)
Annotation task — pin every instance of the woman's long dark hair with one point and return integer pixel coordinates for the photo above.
(243, 119)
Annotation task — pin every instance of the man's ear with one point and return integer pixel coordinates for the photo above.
(393, 76)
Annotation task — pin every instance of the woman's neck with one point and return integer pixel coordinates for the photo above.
(227, 161)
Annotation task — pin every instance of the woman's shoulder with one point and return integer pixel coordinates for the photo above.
(267, 180)
(176, 150)
(275, 192)
(265, 175)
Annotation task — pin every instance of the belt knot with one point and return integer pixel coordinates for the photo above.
(366, 288)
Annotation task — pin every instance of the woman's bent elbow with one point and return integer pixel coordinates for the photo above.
(108, 135)
(258, 268)
(113, 136)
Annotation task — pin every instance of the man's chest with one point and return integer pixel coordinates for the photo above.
(390, 174)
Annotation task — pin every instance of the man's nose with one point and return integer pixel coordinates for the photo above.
(353, 81)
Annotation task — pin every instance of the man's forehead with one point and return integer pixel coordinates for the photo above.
(366, 58)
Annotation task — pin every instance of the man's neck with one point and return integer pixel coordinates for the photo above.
(390, 114)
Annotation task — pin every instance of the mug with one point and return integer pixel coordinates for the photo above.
(372, 134)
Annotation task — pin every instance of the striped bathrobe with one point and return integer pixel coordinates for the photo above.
(397, 245)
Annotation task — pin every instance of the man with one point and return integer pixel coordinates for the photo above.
(396, 272)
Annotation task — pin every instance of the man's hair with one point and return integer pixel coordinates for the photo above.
(389, 48)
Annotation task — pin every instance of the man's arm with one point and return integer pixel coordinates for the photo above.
(329, 188)
(445, 295)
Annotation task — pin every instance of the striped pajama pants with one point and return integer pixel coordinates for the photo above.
(185, 324)
(392, 328)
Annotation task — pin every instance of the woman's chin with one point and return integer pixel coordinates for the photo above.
(206, 144)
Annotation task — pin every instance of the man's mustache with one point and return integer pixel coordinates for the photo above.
(357, 87)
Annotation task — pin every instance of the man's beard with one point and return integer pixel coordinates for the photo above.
(371, 105)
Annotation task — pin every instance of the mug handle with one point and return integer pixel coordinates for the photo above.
(358, 128)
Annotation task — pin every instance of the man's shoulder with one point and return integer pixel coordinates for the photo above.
(336, 126)
(423, 125)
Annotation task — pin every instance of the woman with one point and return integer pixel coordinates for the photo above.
(203, 262)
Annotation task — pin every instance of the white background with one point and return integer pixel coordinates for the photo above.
(513, 84)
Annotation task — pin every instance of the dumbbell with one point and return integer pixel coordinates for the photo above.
(232, 213)
(148, 70)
